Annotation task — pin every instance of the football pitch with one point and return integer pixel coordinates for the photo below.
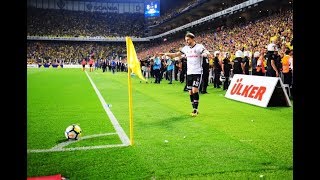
(227, 140)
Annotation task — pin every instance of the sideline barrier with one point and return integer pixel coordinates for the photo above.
(258, 90)
(32, 65)
(54, 66)
(73, 66)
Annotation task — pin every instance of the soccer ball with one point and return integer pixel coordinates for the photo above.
(222, 78)
(73, 132)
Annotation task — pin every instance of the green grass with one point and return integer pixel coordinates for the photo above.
(228, 140)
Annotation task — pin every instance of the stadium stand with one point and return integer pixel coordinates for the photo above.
(247, 29)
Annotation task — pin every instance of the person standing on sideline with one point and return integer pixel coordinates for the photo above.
(83, 63)
(254, 62)
(237, 63)
(194, 53)
(245, 62)
(104, 65)
(261, 71)
(183, 73)
(286, 70)
(148, 70)
(205, 76)
(97, 64)
(226, 71)
(91, 63)
(113, 66)
(272, 70)
(156, 69)
(170, 66)
(217, 69)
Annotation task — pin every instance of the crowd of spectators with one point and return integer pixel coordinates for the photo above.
(66, 23)
(71, 52)
(251, 36)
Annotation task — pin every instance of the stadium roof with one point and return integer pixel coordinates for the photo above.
(207, 8)
(112, 1)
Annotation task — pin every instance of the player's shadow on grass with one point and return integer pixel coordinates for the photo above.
(166, 122)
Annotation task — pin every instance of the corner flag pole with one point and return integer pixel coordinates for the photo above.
(129, 91)
(130, 107)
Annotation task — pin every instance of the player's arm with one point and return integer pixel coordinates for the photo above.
(206, 53)
(274, 67)
(172, 55)
(222, 69)
(243, 64)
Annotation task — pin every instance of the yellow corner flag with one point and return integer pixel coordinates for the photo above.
(132, 59)
(133, 66)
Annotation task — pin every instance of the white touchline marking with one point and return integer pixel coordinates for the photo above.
(122, 135)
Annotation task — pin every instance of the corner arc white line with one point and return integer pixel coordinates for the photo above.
(66, 143)
(122, 135)
(77, 148)
(60, 146)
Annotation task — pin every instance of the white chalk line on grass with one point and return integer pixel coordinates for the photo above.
(119, 131)
(60, 146)
(122, 135)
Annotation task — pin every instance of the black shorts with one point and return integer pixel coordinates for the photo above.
(193, 80)
(83, 65)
